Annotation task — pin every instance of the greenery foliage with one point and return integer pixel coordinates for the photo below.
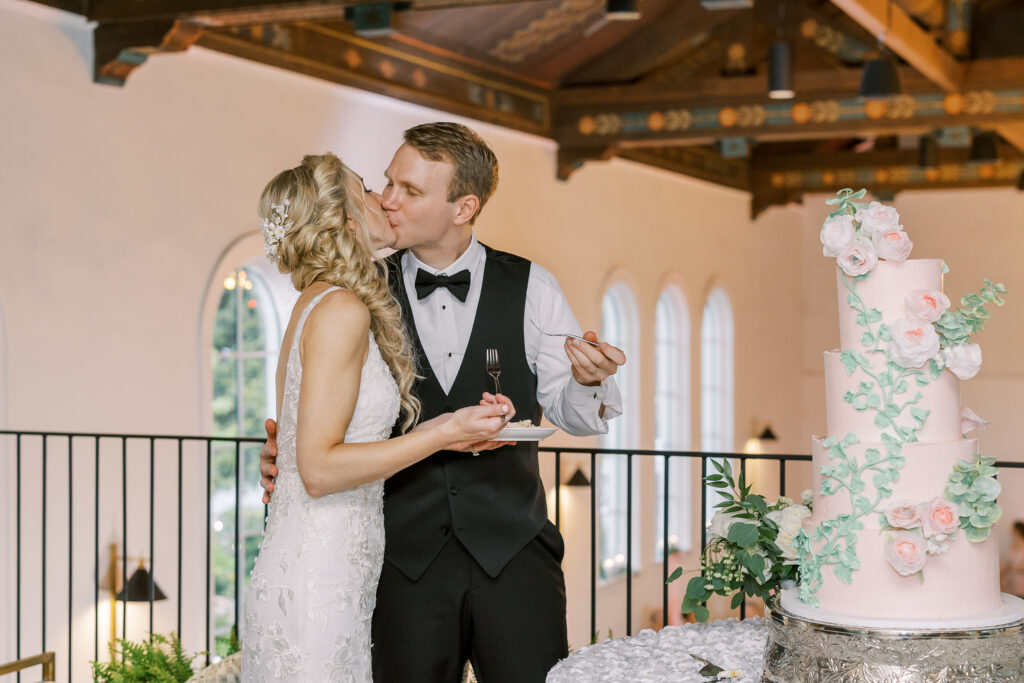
(747, 561)
(973, 487)
(956, 327)
(161, 660)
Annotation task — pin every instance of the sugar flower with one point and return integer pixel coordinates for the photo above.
(914, 342)
(906, 552)
(963, 360)
(858, 257)
(927, 304)
(902, 514)
(970, 421)
(836, 234)
(878, 217)
(940, 519)
(892, 245)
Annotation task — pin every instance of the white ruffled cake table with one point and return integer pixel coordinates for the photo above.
(665, 655)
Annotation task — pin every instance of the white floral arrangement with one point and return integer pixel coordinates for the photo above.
(752, 548)
(274, 228)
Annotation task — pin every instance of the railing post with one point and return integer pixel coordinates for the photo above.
(629, 544)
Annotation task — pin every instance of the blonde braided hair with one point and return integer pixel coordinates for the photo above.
(318, 247)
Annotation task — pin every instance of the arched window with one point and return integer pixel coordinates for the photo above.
(716, 380)
(672, 418)
(243, 358)
(621, 328)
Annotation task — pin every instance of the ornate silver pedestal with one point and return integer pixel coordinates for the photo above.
(804, 651)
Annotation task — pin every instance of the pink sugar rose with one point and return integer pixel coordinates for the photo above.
(906, 552)
(927, 304)
(892, 245)
(940, 518)
(970, 421)
(914, 342)
(878, 217)
(903, 514)
(836, 234)
(858, 257)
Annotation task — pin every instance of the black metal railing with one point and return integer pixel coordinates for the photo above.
(30, 445)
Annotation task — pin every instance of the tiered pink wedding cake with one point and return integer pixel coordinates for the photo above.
(903, 503)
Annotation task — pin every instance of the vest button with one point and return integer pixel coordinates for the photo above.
(454, 490)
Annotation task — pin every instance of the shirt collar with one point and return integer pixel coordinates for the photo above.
(471, 259)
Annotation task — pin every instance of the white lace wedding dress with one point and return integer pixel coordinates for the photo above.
(313, 588)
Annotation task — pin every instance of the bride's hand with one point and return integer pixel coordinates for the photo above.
(475, 427)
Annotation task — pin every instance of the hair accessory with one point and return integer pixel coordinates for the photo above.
(274, 229)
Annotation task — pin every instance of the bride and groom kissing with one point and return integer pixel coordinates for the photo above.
(396, 518)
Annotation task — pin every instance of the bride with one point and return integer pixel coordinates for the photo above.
(341, 387)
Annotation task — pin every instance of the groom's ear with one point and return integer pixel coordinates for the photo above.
(466, 207)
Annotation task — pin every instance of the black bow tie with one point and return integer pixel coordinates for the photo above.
(457, 284)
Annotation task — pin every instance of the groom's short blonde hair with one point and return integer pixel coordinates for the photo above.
(474, 166)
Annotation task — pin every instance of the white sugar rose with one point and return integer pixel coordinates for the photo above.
(878, 217)
(903, 514)
(836, 233)
(720, 524)
(927, 304)
(963, 360)
(893, 245)
(789, 521)
(807, 497)
(906, 553)
(914, 342)
(858, 257)
(940, 519)
(970, 421)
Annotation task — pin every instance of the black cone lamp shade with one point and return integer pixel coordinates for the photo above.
(768, 435)
(780, 74)
(578, 479)
(137, 588)
(1020, 181)
(983, 148)
(927, 152)
(880, 78)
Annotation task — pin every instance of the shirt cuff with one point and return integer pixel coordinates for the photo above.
(590, 399)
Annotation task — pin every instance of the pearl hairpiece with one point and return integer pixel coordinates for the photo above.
(274, 229)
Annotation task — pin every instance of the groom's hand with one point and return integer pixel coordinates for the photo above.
(591, 365)
(268, 456)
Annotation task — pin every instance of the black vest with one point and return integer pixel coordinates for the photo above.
(492, 503)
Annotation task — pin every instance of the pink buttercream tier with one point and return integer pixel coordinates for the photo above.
(962, 582)
(885, 288)
(924, 476)
(940, 396)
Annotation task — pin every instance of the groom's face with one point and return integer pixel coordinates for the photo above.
(416, 199)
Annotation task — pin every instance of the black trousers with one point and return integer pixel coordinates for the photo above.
(512, 628)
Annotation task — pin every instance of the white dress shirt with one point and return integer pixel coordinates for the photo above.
(444, 325)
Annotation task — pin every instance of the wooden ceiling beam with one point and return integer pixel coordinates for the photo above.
(135, 10)
(1013, 133)
(908, 40)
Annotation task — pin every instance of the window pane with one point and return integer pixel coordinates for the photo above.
(254, 396)
(224, 404)
(255, 304)
(224, 325)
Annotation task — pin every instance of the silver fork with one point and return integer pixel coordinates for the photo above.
(564, 334)
(494, 368)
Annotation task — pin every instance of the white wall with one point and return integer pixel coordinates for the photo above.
(124, 207)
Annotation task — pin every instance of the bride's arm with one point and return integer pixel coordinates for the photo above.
(333, 347)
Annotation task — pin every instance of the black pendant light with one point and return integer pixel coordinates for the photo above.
(622, 10)
(983, 148)
(881, 77)
(780, 74)
(1020, 182)
(927, 151)
(780, 64)
(578, 478)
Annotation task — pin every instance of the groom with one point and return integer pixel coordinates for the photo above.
(472, 565)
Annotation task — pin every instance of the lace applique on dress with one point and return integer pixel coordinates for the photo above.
(314, 585)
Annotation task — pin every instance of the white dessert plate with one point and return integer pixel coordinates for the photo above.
(525, 433)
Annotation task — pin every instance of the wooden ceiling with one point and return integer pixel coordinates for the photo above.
(684, 87)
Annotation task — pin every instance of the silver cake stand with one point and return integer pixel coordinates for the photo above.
(799, 649)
